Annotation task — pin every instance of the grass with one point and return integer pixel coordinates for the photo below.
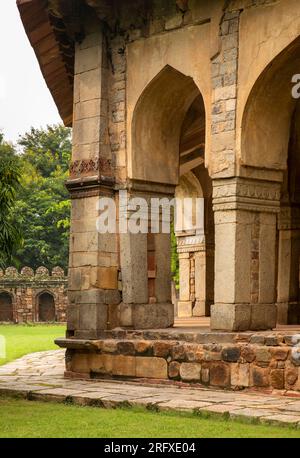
(23, 339)
(24, 419)
(31, 419)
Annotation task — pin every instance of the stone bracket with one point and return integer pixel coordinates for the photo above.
(90, 186)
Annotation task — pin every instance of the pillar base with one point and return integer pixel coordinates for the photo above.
(202, 308)
(153, 316)
(288, 313)
(282, 312)
(243, 317)
(294, 313)
(185, 309)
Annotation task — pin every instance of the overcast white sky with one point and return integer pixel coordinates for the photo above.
(25, 100)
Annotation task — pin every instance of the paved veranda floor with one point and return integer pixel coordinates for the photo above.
(39, 376)
(202, 324)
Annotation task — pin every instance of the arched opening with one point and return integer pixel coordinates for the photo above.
(267, 118)
(46, 307)
(270, 150)
(195, 246)
(288, 298)
(157, 124)
(6, 307)
(167, 159)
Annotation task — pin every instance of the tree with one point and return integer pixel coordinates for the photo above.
(43, 205)
(47, 149)
(10, 177)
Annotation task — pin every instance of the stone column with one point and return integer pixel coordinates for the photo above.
(94, 261)
(200, 283)
(245, 254)
(185, 304)
(288, 265)
(146, 267)
(192, 275)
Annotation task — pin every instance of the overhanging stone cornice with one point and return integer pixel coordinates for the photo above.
(52, 28)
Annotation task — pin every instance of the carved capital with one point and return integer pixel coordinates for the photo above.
(190, 244)
(246, 194)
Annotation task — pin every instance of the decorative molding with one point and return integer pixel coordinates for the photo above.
(246, 194)
(90, 166)
(255, 260)
(91, 186)
(90, 178)
(11, 273)
(85, 193)
(150, 187)
(189, 244)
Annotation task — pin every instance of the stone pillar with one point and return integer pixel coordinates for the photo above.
(196, 267)
(245, 254)
(288, 265)
(192, 275)
(200, 283)
(94, 261)
(185, 304)
(146, 268)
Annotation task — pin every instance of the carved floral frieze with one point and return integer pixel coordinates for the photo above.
(101, 166)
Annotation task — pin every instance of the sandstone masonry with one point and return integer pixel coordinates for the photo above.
(29, 296)
(232, 361)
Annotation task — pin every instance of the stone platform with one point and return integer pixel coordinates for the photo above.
(39, 377)
(193, 355)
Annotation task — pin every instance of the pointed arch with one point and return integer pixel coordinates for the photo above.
(6, 306)
(45, 306)
(189, 186)
(268, 113)
(157, 124)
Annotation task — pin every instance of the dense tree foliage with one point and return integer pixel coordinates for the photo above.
(42, 206)
(10, 176)
(47, 150)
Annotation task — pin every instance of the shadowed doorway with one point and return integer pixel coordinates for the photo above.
(6, 307)
(46, 307)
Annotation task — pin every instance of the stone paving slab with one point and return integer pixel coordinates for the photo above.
(39, 376)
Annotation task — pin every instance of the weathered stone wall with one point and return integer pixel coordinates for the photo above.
(29, 296)
(138, 69)
(232, 361)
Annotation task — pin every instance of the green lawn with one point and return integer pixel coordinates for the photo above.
(27, 419)
(24, 339)
(20, 418)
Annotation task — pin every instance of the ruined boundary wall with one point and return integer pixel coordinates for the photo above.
(29, 296)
